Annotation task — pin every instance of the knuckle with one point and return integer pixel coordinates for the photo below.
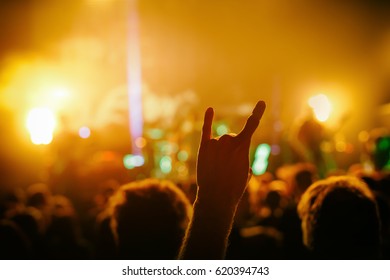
(225, 137)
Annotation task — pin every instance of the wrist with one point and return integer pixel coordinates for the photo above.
(216, 198)
(215, 207)
(214, 211)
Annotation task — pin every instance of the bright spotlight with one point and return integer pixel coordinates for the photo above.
(41, 123)
(321, 107)
(61, 92)
(84, 132)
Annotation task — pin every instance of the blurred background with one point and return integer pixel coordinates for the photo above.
(98, 93)
(99, 89)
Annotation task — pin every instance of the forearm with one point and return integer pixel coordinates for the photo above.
(222, 174)
(208, 232)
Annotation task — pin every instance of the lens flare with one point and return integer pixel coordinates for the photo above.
(41, 123)
(321, 107)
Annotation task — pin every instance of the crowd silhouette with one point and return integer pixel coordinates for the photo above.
(226, 213)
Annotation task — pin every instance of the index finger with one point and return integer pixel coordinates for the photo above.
(207, 125)
(253, 121)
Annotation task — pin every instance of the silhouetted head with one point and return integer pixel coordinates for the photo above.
(64, 224)
(30, 222)
(14, 243)
(38, 196)
(11, 201)
(340, 219)
(149, 219)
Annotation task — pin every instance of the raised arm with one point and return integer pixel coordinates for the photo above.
(222, 175)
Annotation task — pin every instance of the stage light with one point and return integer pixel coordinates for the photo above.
(41, 123)
(131, 161)
(260, 162)
(182, 155)
(138, 160)
(61, 93)
(182, 169)
(363, 136)
(341, 146)
(140, 142)
(155, 133)
(84, 132)
(222, 129)
(166, 164)
(134, 77)
(384, 144)
(321, 107)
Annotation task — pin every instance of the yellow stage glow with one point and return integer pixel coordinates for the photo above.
(41, 123)
(61, 92)
(321, 107)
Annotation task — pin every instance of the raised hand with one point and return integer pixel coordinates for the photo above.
(222, 174)
(223, 163)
